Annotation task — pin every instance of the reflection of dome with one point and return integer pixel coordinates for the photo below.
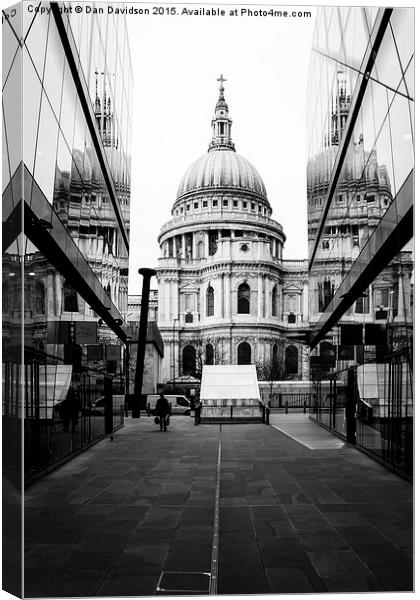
(222, 169)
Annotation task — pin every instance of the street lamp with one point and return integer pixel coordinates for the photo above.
(173, 353)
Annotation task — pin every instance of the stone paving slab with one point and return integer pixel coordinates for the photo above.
(292, 519)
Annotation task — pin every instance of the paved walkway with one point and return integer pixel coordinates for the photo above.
(247, 504)
(300, 428)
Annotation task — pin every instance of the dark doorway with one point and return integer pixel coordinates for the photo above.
(244, 354)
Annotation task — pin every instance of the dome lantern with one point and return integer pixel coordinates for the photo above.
(221, 123)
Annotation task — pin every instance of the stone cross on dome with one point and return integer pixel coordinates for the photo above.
(221, 79)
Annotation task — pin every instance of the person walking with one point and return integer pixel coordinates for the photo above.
(197, 412)
(71, 406)
(163, 409)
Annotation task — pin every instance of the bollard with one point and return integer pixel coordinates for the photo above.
(267, 415)
(231, 412)
(304, 407)
(286, 407)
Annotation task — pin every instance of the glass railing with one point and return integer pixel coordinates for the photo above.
(377, 402)
(57, 417)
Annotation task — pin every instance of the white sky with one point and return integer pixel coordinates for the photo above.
(176, 62)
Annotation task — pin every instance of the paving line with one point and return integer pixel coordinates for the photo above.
(333, 446)
(216, 526)
(292, 437)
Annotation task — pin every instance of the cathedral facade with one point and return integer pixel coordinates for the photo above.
(226, 295)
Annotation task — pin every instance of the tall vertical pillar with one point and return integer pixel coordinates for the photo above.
(228, 295)
(400, 311)
(260, 298)
(267, 297)
(59, 300)
(305, 307)
(222, 295)
(193, 245)
(175, 299)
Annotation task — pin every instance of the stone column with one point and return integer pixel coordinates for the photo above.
(193, 248)
(183, 247)
(260, 297)
(400, 311)
(175, 299)
(228, 296)
(222, 295)
(219, 297)
(206, 244)
(306, 352)
(59, 300)
(267, 297)
(50, 297)
(167, 300)
(305, 308)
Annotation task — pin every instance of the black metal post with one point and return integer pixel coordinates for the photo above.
(127, 376)
(108, 409)
(141, 348)
(351, 407)
(173, 355)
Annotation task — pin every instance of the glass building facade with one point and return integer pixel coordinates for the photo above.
(360, 226)
(66, 205)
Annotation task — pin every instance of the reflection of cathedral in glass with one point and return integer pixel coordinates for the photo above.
(360, 226)
(85, 186)
(69, 256)
(363, 190)
(362, 196)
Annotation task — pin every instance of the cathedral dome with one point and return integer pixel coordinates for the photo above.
(222, 169)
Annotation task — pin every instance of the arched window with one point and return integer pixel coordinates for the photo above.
(243, 300)
(275, 301)
(275, 354)
(210, 301)
(39, 298)
(291, 318)
(200, 250)
(292, 360)
(244, 354)
(209, 355)
(326, 290)
(189, 317)
(188, 360)
(70, 298)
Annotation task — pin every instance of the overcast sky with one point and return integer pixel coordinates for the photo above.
(176, 63)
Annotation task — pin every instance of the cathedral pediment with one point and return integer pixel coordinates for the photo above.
(291, 287)
(189, 287)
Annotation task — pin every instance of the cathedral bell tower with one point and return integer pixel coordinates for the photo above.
(339, 112)
(221, 123)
